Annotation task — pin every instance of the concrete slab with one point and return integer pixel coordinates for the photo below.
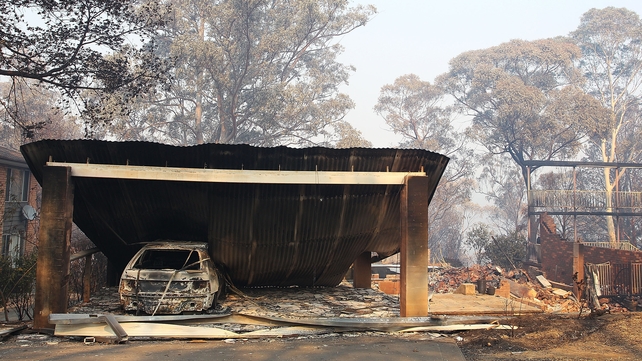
(457, 304)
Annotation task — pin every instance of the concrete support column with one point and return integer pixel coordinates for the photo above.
(362, 271)
(413, 296)
(54, 237)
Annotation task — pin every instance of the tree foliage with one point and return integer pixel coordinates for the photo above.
(523, 97)
(416, 110)
(502, 186)
(30, 113)
(477, 239)
(17, 281)
(259, 72)
(78, 46)
(507, 250)
(349, 137)
(611, 43)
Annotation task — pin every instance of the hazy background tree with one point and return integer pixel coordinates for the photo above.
(524, 102)
(523, 99)
(348, 137)
(416, 110)
(257, 72)
(502, 186)
(477, 239)
(611, 43)
(29, 113)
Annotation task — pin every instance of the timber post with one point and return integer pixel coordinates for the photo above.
(86, 280)
(54, 238)
(413, 295)
(362, 271)
(578, 267)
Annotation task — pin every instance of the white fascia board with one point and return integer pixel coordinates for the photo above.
(232, 176)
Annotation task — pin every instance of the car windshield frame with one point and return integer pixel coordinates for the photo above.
(175, 259)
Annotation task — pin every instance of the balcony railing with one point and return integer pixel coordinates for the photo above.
(585, 200)
(623, 245)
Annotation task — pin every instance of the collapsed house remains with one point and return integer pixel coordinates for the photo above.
(607, 268)
(605, 272)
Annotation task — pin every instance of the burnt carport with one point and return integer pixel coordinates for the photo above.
(272, 216)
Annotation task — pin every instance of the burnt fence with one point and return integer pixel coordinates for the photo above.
(613, 279)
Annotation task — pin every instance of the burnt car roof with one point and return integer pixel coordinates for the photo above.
(261, 234)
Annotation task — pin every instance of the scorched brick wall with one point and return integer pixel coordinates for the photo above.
(557, 253)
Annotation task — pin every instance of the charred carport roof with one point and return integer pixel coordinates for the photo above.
(261, 234)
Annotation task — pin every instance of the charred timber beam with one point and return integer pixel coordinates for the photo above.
(85, 253)
(578, 267)
(562, 163)
(233, 175)
(86, 280)
(54, 237)
(586, 213)
(413, 295)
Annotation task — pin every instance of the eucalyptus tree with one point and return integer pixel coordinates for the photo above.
(416, 110)
(523, 97)
(501, 185)
(80, 47)
(346, 136)
(611, 44)
(262, 72)
(30, 113)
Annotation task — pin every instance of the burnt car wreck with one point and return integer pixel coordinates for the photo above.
(171, 278)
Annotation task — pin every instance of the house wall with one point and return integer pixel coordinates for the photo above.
(35, 196)
(557, 254)
(31, 231)
(3, 187)
(601, 255)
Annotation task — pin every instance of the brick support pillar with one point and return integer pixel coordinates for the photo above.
(413, 295)
(54, 237)
(362, 271)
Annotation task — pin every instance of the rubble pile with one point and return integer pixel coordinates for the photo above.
(345, 301)
(340, 301)
(559, 301)
(105, 300)
(447, 280)
(522, 286)
(619, 304)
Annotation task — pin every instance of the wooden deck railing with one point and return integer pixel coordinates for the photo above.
(623, 245)
(584, 199)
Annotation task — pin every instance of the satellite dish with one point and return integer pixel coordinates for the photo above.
(29, 212)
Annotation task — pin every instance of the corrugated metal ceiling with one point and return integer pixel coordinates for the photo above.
(262, 234)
